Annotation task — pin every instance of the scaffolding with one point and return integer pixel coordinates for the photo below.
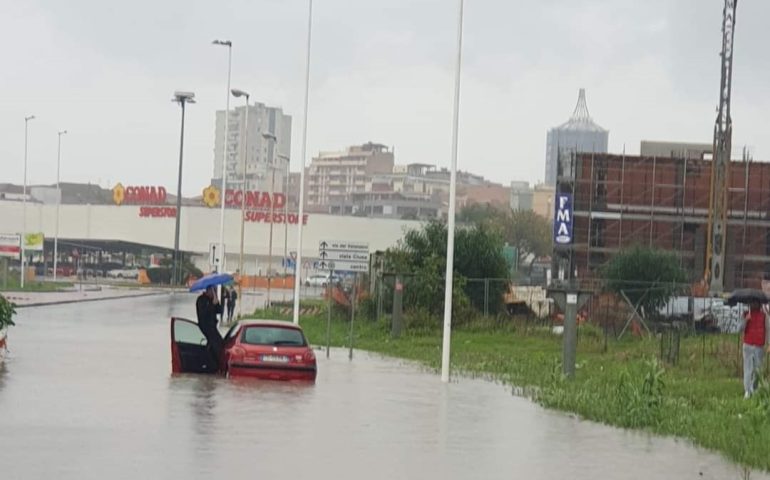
(663, 202)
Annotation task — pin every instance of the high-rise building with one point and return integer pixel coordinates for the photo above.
(332, 176)
(578, 134)
(269, 148)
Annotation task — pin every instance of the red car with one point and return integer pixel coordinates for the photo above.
(267, 349)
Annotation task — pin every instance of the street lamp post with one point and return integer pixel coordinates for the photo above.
(447, 333)
(182, 98)
(24, 202)
(286, 223)
(220, 266)
(301, 213)
(272, 138)
(58, 206)
(245, 151)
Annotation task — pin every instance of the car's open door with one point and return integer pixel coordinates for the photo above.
(188, 348)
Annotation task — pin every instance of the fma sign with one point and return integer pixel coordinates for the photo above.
(562, 222)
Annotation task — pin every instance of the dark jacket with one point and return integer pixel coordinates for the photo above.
(207, 312)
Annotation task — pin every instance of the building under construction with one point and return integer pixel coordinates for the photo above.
(620, 201)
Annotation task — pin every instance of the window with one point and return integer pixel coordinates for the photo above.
(234, 330)
(188, 332)
(258, 335)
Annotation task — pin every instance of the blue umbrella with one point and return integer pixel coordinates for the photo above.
(211, 280)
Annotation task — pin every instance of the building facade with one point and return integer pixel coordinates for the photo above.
(648, 148)
(578, 134)
(492, 194)
(521, 196)
(622, 201)
(266, 147)
(542, 201)
(332, 176)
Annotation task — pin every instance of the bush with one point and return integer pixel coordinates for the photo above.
(648, 277)
(7, 311)
(420, 320)
(421, 257)
(159, 275)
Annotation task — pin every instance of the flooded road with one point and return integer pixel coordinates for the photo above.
(86, 393)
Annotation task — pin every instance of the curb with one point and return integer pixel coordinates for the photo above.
(63, 302)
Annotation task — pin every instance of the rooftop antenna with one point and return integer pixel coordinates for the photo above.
(581, 109)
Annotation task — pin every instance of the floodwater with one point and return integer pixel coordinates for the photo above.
(86, 393)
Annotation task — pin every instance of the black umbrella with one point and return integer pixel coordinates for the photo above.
(747, 295)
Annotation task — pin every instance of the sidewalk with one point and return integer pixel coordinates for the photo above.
(72, 295)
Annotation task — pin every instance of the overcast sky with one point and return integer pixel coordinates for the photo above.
(382, 70)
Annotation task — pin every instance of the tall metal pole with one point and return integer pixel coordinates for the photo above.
(245, 149)
(183, 98)
(302, 168)
(58, 206)
(225, 158)
(24, 203)
(286, 226)
(450, 252)
(270, 242)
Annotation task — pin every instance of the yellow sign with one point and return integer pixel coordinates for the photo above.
(34, 242)
(118, 194)
(211, 196)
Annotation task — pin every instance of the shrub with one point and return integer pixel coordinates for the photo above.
(7, 311)
(159, 275)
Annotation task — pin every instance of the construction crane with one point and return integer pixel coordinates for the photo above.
(720, 164)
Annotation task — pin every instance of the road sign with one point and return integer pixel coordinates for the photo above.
(10, 245)
(344, 266)
(215, 255)
(288, 262)
(343, 256)
(348, 246)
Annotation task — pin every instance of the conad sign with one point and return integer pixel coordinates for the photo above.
(138, 195)
(234, 198)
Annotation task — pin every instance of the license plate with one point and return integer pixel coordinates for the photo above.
(275, 358)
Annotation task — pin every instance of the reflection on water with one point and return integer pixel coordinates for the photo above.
(87, 393)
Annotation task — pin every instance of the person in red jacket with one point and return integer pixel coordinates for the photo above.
(756, 332)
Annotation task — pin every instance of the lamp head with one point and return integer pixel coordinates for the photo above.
(239, 93)
(183, 97)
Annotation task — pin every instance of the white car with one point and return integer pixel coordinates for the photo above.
(321, 280)
(132, 273)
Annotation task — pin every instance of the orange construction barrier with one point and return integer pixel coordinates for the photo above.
(250, 281)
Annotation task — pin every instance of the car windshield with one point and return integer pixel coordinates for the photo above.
(260, 335)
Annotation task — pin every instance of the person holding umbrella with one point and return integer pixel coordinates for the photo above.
(756, 335)
(207, 307)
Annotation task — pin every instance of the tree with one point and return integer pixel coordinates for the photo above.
(7, 311)
(476, 213)
(421, 255)
(530, 233)
(648, 277)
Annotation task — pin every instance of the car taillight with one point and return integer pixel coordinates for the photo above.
(309, 356)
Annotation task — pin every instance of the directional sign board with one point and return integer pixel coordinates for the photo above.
(10, 245)
(343, 256)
